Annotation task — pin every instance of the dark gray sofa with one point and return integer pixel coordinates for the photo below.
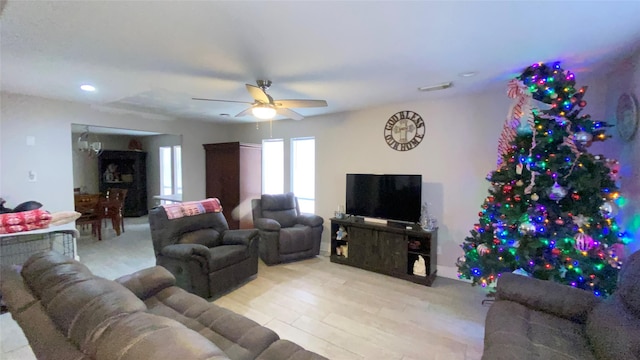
(285, 233)
(68, 313)
(536, 319)
(206, 257)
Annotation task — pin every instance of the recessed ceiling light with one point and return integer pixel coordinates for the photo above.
(468, 74)
(87, 87)
(436, 87)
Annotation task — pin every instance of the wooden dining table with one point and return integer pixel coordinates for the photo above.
(88, 204)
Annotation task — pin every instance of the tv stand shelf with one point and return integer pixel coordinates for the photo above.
(384, 249)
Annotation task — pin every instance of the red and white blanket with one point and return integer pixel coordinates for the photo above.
(24, 221)
(191, 208)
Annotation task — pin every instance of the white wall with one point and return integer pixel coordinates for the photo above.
(623, 77)
(458, 151)
(49, 121)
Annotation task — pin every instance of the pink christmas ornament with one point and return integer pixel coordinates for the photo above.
(584, 242)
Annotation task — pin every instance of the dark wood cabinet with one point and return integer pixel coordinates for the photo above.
(125, 170)
(234, 175)
(385, 249)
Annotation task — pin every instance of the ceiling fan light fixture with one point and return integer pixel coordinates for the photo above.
(88, 143)
(264, 111)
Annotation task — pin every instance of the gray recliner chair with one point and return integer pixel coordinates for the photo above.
(206, 258)
(285, 233)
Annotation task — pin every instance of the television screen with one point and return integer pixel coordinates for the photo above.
(390, 197)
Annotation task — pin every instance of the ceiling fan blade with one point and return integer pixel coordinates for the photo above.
(233, 101)
(289, 113)
(258, 94)
(245, 112)
(293, 103)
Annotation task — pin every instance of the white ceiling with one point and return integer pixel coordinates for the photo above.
(154, 56)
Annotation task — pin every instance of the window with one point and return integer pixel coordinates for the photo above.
(170, 170)
(273, 166)
(177, 169)
(166, 177)
(303, 172)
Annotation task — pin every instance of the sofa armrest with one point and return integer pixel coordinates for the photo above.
(309, 220)
(147, 282)
(547, 296)
(186, 251)
(239, 237)
(266, 224)
(15, 293)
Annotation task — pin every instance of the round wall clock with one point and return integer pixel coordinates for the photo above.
(627, 116)
(404, 130)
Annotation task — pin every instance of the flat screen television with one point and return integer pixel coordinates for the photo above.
(390, 197)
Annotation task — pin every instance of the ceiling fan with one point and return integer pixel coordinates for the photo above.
(264, 107)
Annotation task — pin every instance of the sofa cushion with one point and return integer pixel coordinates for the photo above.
(547, 296)
(147, 336)
(206, 237)
(280, 207)
(613, 331)
(295, 239)
(278, 201)
(227, 255)
(85, 308)
(513, 331)
(147, 282)
(239, 337)
(629, 284)
(79, 303)
(38, 274)
(286, 218)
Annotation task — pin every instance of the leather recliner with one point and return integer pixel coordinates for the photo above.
(285, 233)
(206, 258)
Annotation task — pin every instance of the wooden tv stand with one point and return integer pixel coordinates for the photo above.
(386, 249)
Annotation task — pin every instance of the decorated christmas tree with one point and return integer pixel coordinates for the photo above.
(551, 205)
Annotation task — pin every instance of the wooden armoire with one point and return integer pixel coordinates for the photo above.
(234, 175)
(129, 172)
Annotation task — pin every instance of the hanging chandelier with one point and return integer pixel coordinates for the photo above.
(89, 143)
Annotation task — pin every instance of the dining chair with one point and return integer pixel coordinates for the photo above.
(114, 205)
(90, 207)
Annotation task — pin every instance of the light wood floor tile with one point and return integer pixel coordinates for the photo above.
(8, 328)
(311, 342)
(342, 339)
